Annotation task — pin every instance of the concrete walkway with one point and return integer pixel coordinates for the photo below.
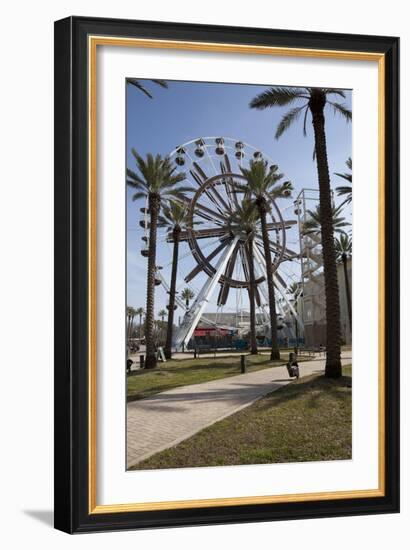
(166, 419)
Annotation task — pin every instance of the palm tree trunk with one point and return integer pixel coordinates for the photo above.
(131, 325)
(333, 367)
(140, 328)
(275, 354)
(128, 328)
(252, 313)
(172, 291)
(150, 355)
(347, 287)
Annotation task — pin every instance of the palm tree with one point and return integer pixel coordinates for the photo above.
(187, 295)
(293, 289)
(175, 216)
(346, 189)
(343, 246)
(245, 218)
(262, 184)
(131, 313)
(315, 100)
(158, 181)
(140, 312)
(162, 313)
(312, 224)
(142, 88)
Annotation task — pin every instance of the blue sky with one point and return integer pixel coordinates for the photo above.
(189, 110)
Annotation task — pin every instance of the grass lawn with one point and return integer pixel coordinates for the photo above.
(309, 419)
(175, 373)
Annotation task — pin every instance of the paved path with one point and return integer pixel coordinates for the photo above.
(162, 421)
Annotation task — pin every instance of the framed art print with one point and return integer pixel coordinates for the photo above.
(226, 274)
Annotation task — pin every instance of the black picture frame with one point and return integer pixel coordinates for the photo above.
(71, 492)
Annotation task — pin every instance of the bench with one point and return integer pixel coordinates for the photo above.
(203, 348)
(311, 352)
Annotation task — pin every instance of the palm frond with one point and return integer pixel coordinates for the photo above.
(134, 180)
(162, 83)
(343, 245)
(174, 194)
(336, 91)
(341, 109)
(182, 189)
(287, 120)
(171, 180)
(312, 225)
(187, 294)
(139, 86)
(345, 191)
(260, 179)
(347, 177)
(241, 187)
(245, 217)
(137, 83)
(284, 191)
(276, 96)
(137, 185)
(138, 196)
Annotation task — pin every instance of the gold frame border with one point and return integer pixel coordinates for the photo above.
(93, 42)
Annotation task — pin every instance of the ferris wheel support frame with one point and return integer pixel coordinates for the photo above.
(193, 315)
(261, 263)
(178, 300)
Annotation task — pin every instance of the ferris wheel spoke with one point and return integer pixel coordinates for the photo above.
(226, 167)
(245, 267)
(275, 248)
(210, 232)
(279, 278)
(259, 251)
(197, 269)
(189, 253)
(279, 225)
(260, 245)
(200, 234)
(225, 287)
(218, 199)
(208, 218)
(207, 192)
(201, 208)
(224, 185)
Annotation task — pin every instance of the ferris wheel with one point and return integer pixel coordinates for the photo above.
(215, 262)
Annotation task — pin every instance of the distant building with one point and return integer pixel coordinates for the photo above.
(312, 307)
(229, 319)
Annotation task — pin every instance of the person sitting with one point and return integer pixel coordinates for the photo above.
(129, 364)
(292, 366)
